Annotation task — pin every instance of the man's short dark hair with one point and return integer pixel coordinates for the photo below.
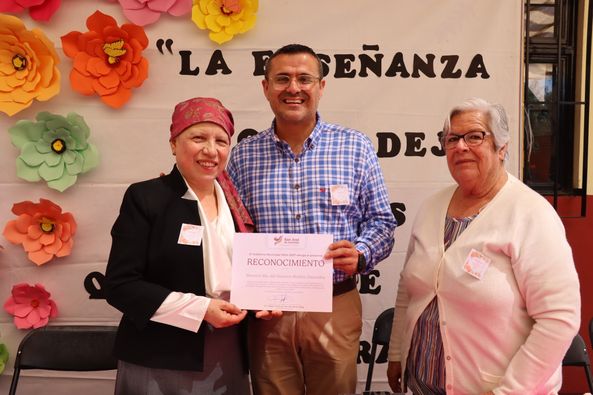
(292, 49)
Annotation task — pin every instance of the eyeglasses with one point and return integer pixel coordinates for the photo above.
(471, 139)
(304, 81)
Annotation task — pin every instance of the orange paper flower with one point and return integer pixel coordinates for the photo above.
(42, 229)
(28, 66)
(108, 59)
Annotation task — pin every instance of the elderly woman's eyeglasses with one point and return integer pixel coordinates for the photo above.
(304, 81)
(472, 139)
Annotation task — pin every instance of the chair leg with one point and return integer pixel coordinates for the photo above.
(589, 379)
(367, 385)
(15, 380)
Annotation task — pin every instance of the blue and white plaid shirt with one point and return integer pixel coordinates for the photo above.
(285, 193)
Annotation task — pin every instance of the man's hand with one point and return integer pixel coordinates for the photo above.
(394, 376)
(268, 314)
(221, 314)
(345, 256)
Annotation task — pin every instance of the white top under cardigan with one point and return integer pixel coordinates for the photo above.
(509, 331)
(187, 310)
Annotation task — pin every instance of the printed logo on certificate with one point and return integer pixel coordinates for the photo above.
(283, 241)
(282, 272)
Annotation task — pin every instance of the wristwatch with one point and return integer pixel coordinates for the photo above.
(362, 263)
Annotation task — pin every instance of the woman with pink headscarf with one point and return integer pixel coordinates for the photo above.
(170, 265)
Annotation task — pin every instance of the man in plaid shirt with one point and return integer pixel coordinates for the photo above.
(306, 176)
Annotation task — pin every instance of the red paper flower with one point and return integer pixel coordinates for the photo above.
(42, 229)
(30, 306)
(40, 10)
(108, 59)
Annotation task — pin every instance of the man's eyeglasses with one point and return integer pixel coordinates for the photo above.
(472, 139)
(304, 81)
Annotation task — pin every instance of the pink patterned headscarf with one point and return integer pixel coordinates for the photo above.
(200, 109)
(207, 109)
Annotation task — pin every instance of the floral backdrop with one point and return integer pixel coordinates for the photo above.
(85, 111)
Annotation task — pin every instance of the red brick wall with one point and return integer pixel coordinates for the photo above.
(579, 232)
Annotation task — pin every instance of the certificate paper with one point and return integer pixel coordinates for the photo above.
(282, 272)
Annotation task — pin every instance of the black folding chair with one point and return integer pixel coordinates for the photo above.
(72, 348)
(577, 356)
(591, 331)
(381, 336)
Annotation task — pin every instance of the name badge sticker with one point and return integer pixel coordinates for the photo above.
(340, 195)
(190, 235)
(476, 264)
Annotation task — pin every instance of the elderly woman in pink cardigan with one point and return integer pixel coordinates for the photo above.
(488, 300)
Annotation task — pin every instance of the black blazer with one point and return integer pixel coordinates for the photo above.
(145, 264)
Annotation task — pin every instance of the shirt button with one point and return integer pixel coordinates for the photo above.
(443, 323)
(449, 386)
(296, 186)
(448, 357)
(296, 160)
(298, 216)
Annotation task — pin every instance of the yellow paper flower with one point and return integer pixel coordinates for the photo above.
(28, 66)
(224, 18)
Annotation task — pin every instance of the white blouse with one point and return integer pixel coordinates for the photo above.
(187, 310)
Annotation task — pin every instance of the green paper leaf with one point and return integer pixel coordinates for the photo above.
(91, 158)
(25, 131)
(51, 173)
(69, 156)
(31, 156)
(25, 172)
(3, 357)
(75, 167)
(63, 183)
(57, 122)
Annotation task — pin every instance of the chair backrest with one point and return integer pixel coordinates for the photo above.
(382, 328)
(577, 353)
(591, 331)
(577, 356)
(77, 348)
(73, 348)
(381, 336)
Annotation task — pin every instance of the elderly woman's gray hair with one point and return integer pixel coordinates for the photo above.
(495, 114)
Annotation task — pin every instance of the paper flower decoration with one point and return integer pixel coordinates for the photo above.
(224, 18)
(54, 149)
(3, 357)
(107, 59)
(28, 66)
(30, 306)
(40, 10)
(42, 229)
(145, 12)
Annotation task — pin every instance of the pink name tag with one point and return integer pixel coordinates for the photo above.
(476, 264)
(340, 195)
(190, 235)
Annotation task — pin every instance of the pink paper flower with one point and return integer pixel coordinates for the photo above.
(40, 10)
(30, 306)
(42, 229)
(145, 12)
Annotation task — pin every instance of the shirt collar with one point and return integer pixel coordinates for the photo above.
(309, 143)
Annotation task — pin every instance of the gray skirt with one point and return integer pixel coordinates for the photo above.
(223, 371)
